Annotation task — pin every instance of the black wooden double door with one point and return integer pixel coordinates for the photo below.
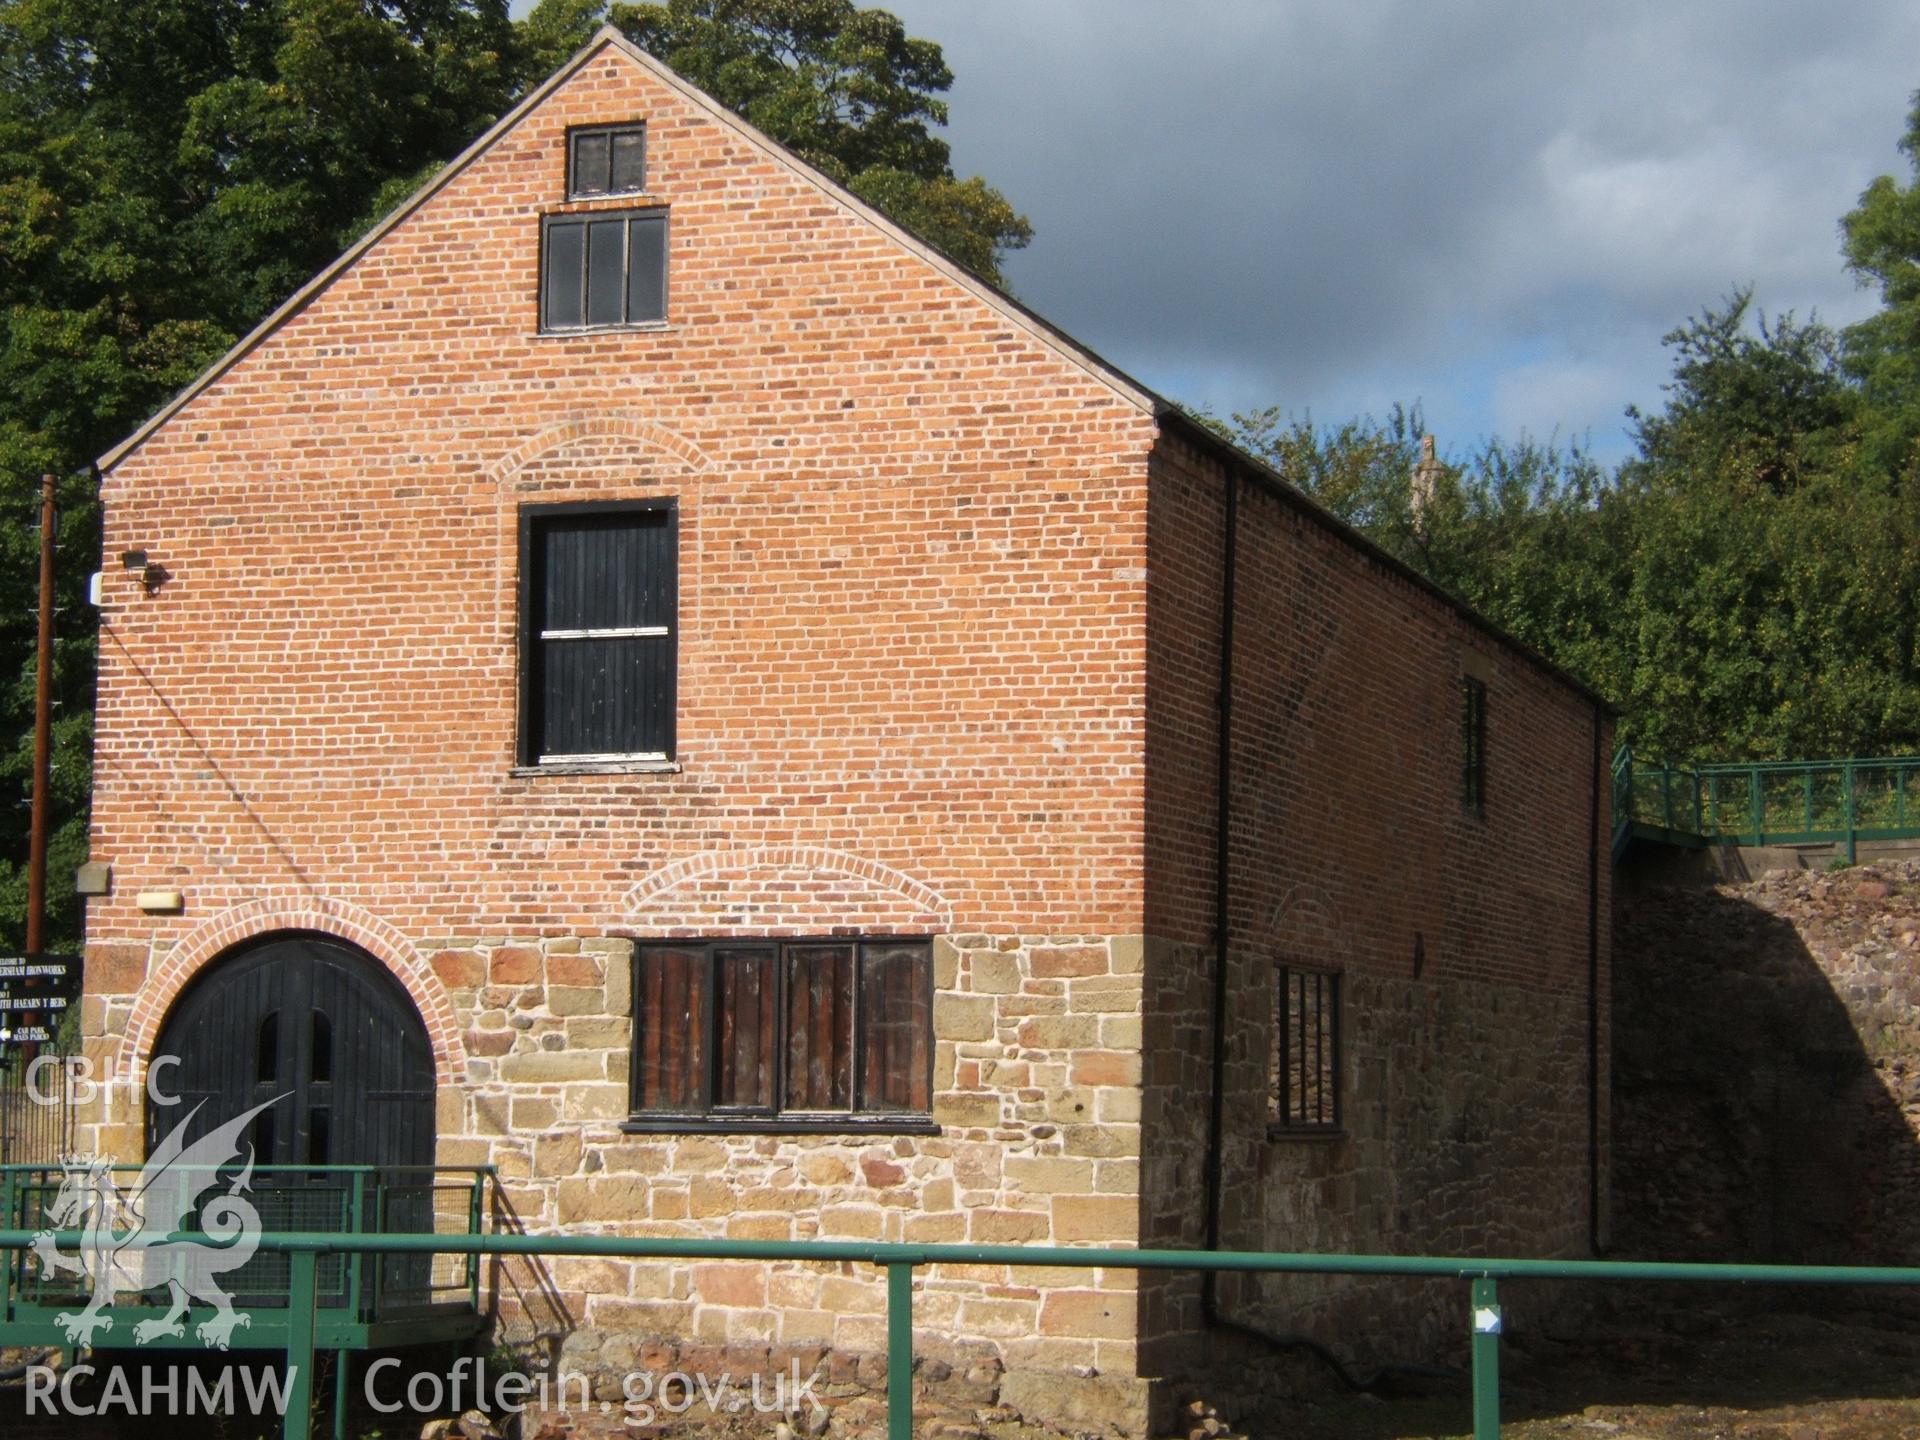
(320, 1030)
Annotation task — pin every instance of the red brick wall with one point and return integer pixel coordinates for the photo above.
(911, 616)
(1464, 1070)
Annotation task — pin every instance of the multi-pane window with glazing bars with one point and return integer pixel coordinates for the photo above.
(600, 269)
(606, 160)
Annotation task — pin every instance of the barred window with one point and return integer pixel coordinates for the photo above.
(1306, 1092)
(780, 1033)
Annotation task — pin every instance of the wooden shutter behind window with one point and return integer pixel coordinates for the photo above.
(895, 1001)
(820, 1027)
(669, 1069)
(744, 1016)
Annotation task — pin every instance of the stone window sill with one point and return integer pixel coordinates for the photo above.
(643, 327)
(1307, 1132)
(598, 767)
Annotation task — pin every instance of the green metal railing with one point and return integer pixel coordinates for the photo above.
(1792, 802)
(364, 1299)
(306, 1251)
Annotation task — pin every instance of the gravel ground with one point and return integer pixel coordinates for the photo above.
(1690, 1376)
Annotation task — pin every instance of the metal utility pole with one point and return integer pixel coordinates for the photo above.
(42, 732)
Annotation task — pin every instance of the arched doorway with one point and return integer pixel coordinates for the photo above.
(317, 1021)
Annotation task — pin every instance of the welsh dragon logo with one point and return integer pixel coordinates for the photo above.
(126, 1242)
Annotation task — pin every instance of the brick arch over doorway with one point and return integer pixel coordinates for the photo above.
(245, 922)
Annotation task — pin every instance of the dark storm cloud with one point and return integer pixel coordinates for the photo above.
(1497, 207)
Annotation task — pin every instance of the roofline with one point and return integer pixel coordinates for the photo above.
(609, 36)
(1130, 389)
(1172, 418)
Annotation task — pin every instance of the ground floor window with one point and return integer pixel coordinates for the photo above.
(783, 1033)
(1306, 1051)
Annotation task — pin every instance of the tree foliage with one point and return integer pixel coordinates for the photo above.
(1882, 245)
(1745, 586)
(169, 171)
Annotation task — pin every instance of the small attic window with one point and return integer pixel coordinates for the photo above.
(606, 160)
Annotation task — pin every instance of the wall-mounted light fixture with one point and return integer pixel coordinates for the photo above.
(152, 574)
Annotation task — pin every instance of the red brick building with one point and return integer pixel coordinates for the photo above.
(727, 709)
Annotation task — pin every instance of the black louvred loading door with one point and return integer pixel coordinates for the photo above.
(604, 611)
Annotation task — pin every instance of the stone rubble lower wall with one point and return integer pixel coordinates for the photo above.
(1768, 1068)
(1036, 1091)
(1465, 1133)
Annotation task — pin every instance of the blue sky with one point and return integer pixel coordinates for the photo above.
(1493, 207)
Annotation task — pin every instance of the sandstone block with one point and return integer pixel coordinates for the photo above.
(1113, 1220)
(1006, 1227)
(842, 1295)
(707, 1197)
(583, 971)
(820, 1168)
(962, 1017)
(459, 969)
(1070, 1106)
(946, 1228)
(513, 965)
(998, 1317)
(595, 1102)
(855, 1222)
(1088, 1313)
(967, 1111)
(994, 974)
(1120, 1032)
(573, 1000)
(1060, 1032)
(760, 1227)
(602, 1198)
(547, 1066)
(946, 963)
(1119, 1105)
(1046, 1175)
(1047, 961)
(1106, 1067)
(599, 1032)
(721, 1284)
(115, 969)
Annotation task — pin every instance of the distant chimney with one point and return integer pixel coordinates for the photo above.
(1426, 477)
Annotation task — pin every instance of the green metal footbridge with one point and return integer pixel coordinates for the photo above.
(360, 1301)
(1792, 802)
